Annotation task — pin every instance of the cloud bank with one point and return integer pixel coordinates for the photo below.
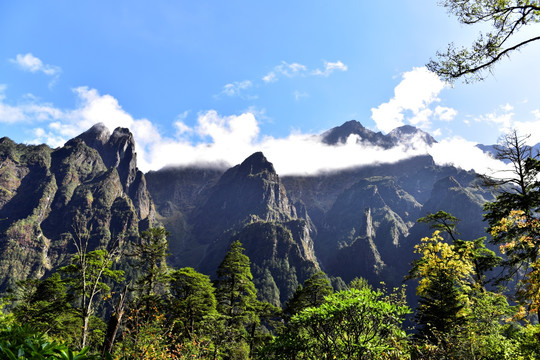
(227, 140)
(413, 96)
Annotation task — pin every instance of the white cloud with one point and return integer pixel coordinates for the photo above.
(502, 120)
(507, 107)
(181, 127)
(330, 67)
(298, 95)
(285, 69)
(236, 88)
(270, 77)
(415, 93)
(29, 62)
(445, 113)
(531, 128)
(25, 112)
(464, 154)
(296, 69)
(225, 140)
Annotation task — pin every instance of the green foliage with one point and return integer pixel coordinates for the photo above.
(85, 277)
(486, 333)
(147, 340)
(350, 324)
(150, 257)
(444, 271)
(236, 295)
(359, 283)
(192, 299)
(441, 221)
(504, 18)
(513, 220)
(312, 294)
(46, 306)
(458, 318)
(22, 342)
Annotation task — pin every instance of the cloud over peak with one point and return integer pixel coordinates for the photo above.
(413, 96)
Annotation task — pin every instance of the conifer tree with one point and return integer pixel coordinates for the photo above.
(236, 295)
(311, 294)
(192, 299)
(151, 253)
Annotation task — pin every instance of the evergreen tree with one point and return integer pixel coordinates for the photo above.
(192, 299)
(150, 258)
(311, 294)
(45, 305)
(236, 295)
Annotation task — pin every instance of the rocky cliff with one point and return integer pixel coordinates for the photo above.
(49, 195)
(355, 222)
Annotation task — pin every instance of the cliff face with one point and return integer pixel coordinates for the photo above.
(355, 222)
(247, 202)
(47, 195)
(245, 192)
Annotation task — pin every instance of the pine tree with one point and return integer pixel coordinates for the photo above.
(192, 299)
(237, 297)
(151, 253)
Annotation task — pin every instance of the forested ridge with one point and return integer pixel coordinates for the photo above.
(473, 302)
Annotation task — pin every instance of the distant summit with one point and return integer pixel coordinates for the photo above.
(340, 134)
(255, 165)
(404, 135)
(408, 135)
(251, 189)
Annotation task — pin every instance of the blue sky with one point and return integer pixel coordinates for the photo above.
(203, 81)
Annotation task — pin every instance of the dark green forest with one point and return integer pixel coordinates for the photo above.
(475, 298)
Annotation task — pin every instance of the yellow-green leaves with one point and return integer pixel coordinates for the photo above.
(441, 258)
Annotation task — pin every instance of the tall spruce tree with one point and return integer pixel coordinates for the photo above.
(236, 296)
(192, 299)
(151, 254)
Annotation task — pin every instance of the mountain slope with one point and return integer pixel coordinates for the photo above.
(49, 195)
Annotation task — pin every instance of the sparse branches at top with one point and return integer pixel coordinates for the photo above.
(506, 18)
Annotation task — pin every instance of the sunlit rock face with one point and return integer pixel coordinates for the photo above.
(51, 196)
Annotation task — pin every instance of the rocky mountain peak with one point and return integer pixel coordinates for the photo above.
(407, 135)
(117, 150)
(340, 134)
(404, 135)
(247, 191)
(96, 136)
(256, 164)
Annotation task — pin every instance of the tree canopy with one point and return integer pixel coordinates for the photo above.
(505, 19)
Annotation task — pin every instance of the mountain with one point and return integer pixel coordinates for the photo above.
(354, 222)
(492, 150)
(247, 202)
(48, 196)
(406, 135)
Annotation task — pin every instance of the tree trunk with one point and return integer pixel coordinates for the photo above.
(114, 324)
